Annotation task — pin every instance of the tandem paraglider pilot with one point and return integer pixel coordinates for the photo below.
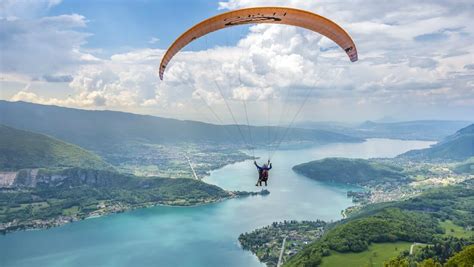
(263, 172)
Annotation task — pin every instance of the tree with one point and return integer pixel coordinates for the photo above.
(397, 262)
(429, 263)
(465, 258)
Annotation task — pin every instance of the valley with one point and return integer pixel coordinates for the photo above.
(47, 182)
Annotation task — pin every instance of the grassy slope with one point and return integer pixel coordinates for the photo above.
(413, 220)
(354, 171)
(454, 230)
(21, 149)
(377, 254)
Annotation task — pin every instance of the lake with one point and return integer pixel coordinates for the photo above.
(203, 235)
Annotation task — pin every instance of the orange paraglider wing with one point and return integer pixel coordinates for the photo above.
(255, 15)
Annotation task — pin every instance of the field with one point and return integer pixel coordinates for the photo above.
(455, 230)
(375, 256)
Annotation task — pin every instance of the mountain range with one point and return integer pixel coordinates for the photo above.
(96, 130)
(456, 147)
(431, 130)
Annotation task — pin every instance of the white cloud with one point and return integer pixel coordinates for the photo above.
(25, 8)
(124, 80)
(48, 46)
(26, 95)
(412, 57)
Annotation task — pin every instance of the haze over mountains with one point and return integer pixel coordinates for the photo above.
(432, 130)
(96, 130)
(459, 146)
(23, 149)
(100, 130)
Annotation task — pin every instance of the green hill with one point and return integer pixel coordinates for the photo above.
(351, 171)
(463, 258)
(459, 146)
(78, 193)
(413, 220)
(21, 149)
(96, 130)
(76, 183)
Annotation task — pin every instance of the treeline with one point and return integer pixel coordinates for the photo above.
(455, 203)
(438, 252)
(388, 225)
(413, 220)
(451, 253)
(351, 171)
(84, 190)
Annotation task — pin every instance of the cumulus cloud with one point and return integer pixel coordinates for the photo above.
(416, 56)
(25, 94)
(43, 47)
(408, 53)
(124, 80)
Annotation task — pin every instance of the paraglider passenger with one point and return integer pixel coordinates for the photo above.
(263, 172)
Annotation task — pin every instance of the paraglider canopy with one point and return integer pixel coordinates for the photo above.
(272, 15)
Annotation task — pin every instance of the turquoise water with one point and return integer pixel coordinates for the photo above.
(203, 235)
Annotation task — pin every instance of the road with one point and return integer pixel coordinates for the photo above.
(281, 252)
(415, 244)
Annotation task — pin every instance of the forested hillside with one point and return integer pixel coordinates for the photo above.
(351, 171)
(22, 149)
(97, 130)
(420, 219)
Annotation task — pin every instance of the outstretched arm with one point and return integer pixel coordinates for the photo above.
(258, 167)
(270, 166)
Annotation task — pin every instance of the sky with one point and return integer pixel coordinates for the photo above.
(416, 60)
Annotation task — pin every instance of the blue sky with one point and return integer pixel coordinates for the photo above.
(116, 29)
(415, 60)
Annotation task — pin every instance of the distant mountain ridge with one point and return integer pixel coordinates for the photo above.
(22, 149)
(432, 130)
(97, 129)
(456, 147)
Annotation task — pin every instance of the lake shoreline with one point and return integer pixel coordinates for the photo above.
(116, 208)
(206, 232)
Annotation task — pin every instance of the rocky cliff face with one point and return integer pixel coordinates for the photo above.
(7, 179)
(26, 178)
(33, 178)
